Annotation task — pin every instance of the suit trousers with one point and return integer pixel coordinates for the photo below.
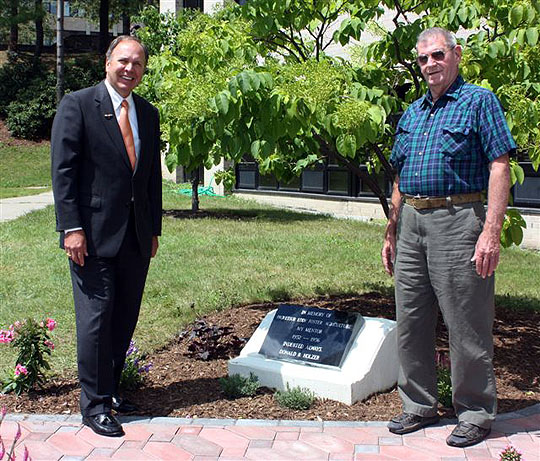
(433, 268)
(107, 294)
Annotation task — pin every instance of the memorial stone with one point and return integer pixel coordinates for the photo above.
(310, 335)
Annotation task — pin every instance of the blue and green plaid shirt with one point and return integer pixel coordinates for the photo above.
(445, 148)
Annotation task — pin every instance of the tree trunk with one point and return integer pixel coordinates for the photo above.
(125, 18)
(126, 24)
(39, 29)
(103, 26)
(14, 26)
(195, 190)
(59, 50)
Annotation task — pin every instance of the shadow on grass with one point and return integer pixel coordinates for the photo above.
(518, 302)
(270, 215)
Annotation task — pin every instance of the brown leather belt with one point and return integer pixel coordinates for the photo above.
(424, 203)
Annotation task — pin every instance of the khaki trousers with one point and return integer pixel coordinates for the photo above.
(433, 268)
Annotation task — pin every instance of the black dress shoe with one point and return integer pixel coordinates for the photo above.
(104, 424)
(121, 405)
(407, 422)
(467, 434)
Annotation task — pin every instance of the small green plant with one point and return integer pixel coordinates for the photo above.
(297, 398)
(133, 373)
(32, 340)
(444, 380)
(227, 177)
(239, 386)
(510, 454)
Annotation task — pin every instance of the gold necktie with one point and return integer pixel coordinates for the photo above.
(127, 134)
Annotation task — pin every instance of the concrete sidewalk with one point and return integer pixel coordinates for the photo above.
(50, 437)
(12, 208)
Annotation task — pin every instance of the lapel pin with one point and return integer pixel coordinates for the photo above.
(108, 116)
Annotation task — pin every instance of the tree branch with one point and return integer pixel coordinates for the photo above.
(388, 170)
(330, 152)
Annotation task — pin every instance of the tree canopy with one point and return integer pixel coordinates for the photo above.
(258, 79)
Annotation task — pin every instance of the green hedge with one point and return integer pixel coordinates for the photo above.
(28, 93)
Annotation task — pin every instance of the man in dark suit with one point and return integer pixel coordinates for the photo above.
(106, 174)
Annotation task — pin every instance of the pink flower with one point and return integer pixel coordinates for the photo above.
(19, 433)
(49, 344)
(20, 370)
(26, 455)
(51, 324)
(6, 336)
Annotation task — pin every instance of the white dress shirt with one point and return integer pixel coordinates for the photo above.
(132, 114)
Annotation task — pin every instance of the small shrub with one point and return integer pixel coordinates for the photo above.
(510, 454)
(297, 398)
(34, 344)
(134, 370)
(210, 342)
(31, 115)
(239, 386)
(444, 380)
(15, 76)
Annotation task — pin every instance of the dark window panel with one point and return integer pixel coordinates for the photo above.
(339, 182)
(313, 181)
(293, 185)
(267, 181)
(246, 179)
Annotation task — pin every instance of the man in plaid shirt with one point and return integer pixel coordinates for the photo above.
(451, 146)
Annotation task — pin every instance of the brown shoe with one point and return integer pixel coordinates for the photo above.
(407, 422)
(467, 434)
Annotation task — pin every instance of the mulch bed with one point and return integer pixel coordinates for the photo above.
(182, 386)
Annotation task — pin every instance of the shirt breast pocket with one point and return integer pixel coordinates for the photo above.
(456, 140)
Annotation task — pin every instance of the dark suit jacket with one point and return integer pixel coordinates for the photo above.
(93, 182)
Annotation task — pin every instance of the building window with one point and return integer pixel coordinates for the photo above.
(194, 4)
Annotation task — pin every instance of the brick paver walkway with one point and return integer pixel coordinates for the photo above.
(64, 438)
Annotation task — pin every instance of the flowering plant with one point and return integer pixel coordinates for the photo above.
(444, 379)
(510, 454)
(3, 450)
(33, 341)
(132, 374)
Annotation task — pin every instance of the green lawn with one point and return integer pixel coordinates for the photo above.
(208, 264)
(24, 170)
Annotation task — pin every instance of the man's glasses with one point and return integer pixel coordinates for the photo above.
(437, 55)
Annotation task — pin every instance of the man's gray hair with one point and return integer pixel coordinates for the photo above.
(122, 38)
(433, 32)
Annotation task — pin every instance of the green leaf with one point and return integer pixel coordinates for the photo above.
(516, 233)
(210, 129)
(492, 50)
(255, 148)
(244, 82)
(520, 174)
(532, 36)
(346, 145)
(222, 102)
(463, 14)
(520, 38)
(516, 15)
